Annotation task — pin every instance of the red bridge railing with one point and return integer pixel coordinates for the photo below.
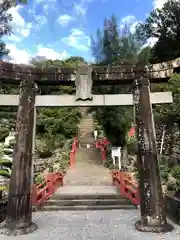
(45, 190)
(73, 152)
(123, 180)
(127, 186)
(102, 144)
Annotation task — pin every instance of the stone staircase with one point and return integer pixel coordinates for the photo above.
(86, 129)
(88, 184)
(87, 198)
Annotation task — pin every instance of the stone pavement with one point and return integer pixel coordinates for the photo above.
(88, 175)
(91, 225)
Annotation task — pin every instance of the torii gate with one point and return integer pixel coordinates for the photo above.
(19, 214)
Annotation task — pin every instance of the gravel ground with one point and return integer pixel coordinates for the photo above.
(92, 225)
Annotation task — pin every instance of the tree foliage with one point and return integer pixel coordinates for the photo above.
(54, 125)
(163, 24)
(5, 28)
(109, 48)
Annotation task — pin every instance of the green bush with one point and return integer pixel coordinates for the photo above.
(132, 145)
(61, 159)
(164, 172)
(39, 179)
(45, 147)
(176, 173)
(172, 186)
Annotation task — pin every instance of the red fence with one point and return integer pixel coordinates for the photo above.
(52, 181)
(45, 190)
(102, 144)
(127, 186)
(73, 152)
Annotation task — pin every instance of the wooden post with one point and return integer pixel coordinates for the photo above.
(19, 212)
(152, 206)
(34, 142)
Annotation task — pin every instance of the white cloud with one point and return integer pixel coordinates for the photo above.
(50, 53)
(14, 38)
(80, 9)
(77, 39)
(18, 55)
(26, 30)
(40, 20)
(76, 32)
(45, 8)
(150, 42)
(18, 23)
(18, 20)
(160, 3)
(65, 19)
(129, 21)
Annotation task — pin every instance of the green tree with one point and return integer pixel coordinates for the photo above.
(164, 25)
(111, 48)
(5, 28)
(56, 125)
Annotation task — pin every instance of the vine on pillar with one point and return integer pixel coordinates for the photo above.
(19, 212)
(152, 206)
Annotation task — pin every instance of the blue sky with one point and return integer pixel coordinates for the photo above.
(58, 29)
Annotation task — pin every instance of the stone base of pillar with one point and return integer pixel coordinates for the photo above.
(4, 230)
(154, 229)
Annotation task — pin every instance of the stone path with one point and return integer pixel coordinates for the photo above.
(88, 175)
(91, 225)
(87, 190)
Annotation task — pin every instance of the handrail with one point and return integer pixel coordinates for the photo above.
(128, 188)
(43, 191)
(102, 144)
(73, 152)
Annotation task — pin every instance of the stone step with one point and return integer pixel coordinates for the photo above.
(88, 155)
(86, 202)
(86, 126)
(84, 134)
(88, 192)
(86, 198)
(85, 207)
(84, 140)
(87, 121)
(87, 130)
(86, 145)
(99, 196)
(87, 150)
(87, 118)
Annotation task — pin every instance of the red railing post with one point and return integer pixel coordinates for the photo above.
(127, 187)
(73, 152)
(45, 190)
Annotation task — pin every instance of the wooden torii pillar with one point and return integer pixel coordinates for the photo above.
(152, 205)
(19, 211)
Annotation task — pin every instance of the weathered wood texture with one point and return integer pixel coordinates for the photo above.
(19, 212)
(152, 206)
(12, 72)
